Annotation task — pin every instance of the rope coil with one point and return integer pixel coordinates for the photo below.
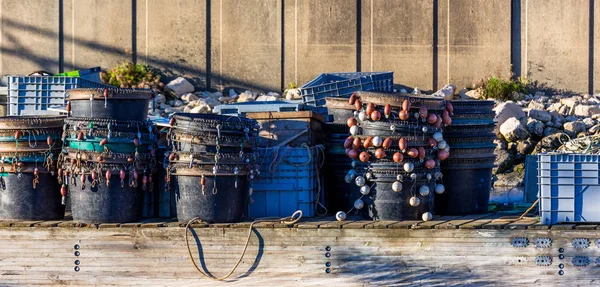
(290, 220)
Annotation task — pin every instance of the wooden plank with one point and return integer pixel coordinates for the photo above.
(563, 227)
(53, 223)
(522, 223)
(25, 223)
(357, 224)
(109, 225)
(435, 221)
(314, 223)
(479, 223)
(6, 223)
(405, 224)
(380, 224)
(454, 224)
(586, 226)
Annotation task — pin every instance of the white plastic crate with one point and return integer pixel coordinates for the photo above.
(568, 188)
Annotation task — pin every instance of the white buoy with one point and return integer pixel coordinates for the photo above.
(365, 189)
(438, 137)
(354, 130)
(424, 190)
(359, 181)
(442, 144)
(397, 186)
(377, 141)
(362, 116)
(340, 216)
(440, 188)
(414, 201)
(409, 166)
(427, 216)
(359, 204)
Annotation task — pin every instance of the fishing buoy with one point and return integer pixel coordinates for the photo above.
(414, 201)
(424, 190)
(440, 188)
(427, 216)
(340, 216)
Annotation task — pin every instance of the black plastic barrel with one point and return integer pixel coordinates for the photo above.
(102, 204)
(119, 104)
(225, 204)
(29, 189)
(468, 183)
(468, 170)
(111, 163)
(391, 205)
(19, 200)
(210, 166)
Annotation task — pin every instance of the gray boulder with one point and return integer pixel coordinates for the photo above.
(513, 130)
(540, 115)
(525, 147)
(506, 111)
(586, 111)
(535, 127)
(536, 106)
(574, 128)
(550, 131)
(504, 161)
(180, 86)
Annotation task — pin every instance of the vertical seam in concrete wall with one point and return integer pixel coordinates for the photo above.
(296, 42)
(371, 69)
(61, 37)
(526, 38)
(515, 38)
(358, 34)
(134, 31)
(591, 50)
(434, 41)
(448, 43)
(282, 65)
(1, 41)
(221, 42)
(73, 34)
(208, 45)
(146, 33)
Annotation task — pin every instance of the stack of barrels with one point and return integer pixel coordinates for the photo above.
(211, 166)
(109, 154)
(29, 149)
(340, 194)
(468, 171)
(397, 145)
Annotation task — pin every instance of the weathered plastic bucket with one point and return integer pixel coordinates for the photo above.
(205, 189)
(468, 183)
(118, 104)
(29, 148)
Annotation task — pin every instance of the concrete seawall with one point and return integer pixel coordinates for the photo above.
(267, 44)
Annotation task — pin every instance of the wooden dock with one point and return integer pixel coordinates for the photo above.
(473, 250)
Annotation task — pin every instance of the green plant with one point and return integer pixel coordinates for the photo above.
(292, 86)
(503, 89)
(130, 75)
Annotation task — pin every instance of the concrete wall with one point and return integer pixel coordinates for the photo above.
(267, 44)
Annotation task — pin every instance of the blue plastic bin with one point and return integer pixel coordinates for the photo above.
(530, 193)
(241, 109)
(569, 188)
(32, 95)
(291, 186)
(343, 85)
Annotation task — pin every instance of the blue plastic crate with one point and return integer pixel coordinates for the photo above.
(530, 193)
(32, 95)
(569, 188)
(240, 109)
(343, 85)
(291, 186)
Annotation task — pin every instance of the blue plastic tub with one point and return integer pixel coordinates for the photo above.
(569, 188)
(291, 185)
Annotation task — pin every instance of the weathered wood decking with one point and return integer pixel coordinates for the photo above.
(451, 250)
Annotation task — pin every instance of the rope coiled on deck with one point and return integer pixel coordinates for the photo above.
(295, 217)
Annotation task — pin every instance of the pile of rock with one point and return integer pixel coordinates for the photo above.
(539, 124)
(187, 99)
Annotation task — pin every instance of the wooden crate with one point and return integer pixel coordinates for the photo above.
(277, 127)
